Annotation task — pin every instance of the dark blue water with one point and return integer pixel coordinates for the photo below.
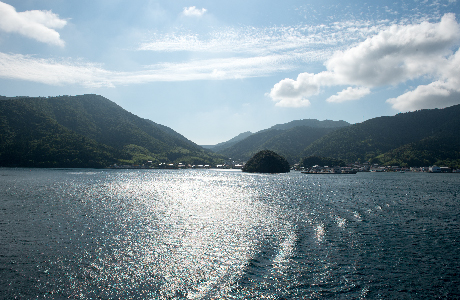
(205, 234)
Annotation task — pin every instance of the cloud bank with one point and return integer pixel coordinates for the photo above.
(36, 24)
(25, 67)
(267, 40)
(383, 55)
(395, 55)
(239, 53)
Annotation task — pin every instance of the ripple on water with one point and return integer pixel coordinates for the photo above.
(210, 234)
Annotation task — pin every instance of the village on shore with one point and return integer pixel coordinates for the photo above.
(368, 167)
(350, 169)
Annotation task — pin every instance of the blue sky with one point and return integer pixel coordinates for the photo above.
(213, 69)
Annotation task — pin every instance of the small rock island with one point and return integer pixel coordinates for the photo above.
(266, 161)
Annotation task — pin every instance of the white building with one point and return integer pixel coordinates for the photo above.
(434, 169)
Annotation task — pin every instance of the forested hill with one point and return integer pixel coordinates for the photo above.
(86, 131)
(229, 143)
(310, 123)
(420, 138)
(288, 140)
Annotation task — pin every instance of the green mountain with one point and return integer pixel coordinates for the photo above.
(310, 123)
(92, 131)
(419, 138)
(229, 143)
(288, 140)
(86, 131)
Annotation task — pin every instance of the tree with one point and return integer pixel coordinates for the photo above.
(267, 161)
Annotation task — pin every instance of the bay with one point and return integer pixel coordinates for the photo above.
(215, 234)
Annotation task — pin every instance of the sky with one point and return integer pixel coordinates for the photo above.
(213, 69)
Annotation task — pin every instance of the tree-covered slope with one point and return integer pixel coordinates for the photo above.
(266, 161)
(288, 139)
(289, 143)
(310, 123)
(89, 119)
(246, 148)
(231, 142)
(441, 150)
(373, 138)
(33, 139)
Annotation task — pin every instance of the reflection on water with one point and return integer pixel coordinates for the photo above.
(206, 234)
(169, 235)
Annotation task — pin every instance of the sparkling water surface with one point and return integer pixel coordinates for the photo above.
(214, 234)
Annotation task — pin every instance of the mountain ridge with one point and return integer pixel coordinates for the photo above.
(92, 131)
(230, 142)
(310, 123)
(92, 120)
(288, 139)
(378, 139)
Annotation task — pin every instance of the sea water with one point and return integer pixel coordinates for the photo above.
(214, 234)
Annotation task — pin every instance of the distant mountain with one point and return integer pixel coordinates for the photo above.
(310, 123)
(229, 143)
(86, 131)
(92, 131)
(419, 138)
(288, 140)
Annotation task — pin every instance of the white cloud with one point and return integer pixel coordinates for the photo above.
(35, 24)
(395, 55)
(389, 55)
(441, 93)
(218, 74)
(192, 11)
(437, 94)
(294, 93)
(260, 41)
(217, 68)
(261, 52)
(293, 102)
(349, 94)
(17, 66)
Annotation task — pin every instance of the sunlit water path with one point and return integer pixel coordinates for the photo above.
(208, 234)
